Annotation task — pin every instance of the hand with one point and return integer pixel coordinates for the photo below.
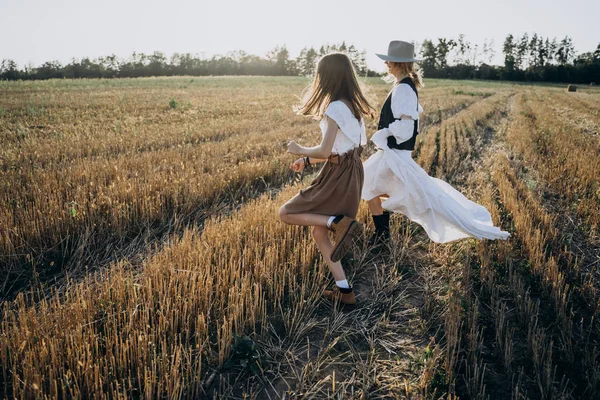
(298, 165)
(294, 148)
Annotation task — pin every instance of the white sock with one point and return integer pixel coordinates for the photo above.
(342, 284)
(330, 221)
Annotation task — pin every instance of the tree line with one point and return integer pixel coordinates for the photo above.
(275, 62)
(526, 58)
(529, 57)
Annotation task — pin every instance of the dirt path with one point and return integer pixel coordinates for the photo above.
(389, 344)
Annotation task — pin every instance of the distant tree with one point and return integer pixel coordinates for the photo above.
(306, 61)
(584, 59)
(521, 60)
(417, 47)
(9, 70)
(135, 66)
(487, 72)
(156, 64)
(488, 51)
(526, 58)
(429, 55)
(542, 52)
(588, 58)
(566, 51)
(185, 64)
(533, 50)
(280, 57)
(550, 50)
(359, 59)
(462, 49)
(49, 70)
(110, 65)
(87, 68)
(73, 69)
(250, 64)
(362, 63)
(474, 54)
(509, 49)
(442, 49)
(224, 65)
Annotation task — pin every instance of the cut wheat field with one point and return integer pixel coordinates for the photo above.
(141, 254)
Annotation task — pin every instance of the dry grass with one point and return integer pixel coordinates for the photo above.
(104, 168)
(154, 329)
(460, 137)
(542, 352)
(85, 171)
(223, 300)
(537, 266)
(556, 148)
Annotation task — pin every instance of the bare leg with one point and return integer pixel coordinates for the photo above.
(304, 219)
(326, 247)
(375, 206)
(320, 233)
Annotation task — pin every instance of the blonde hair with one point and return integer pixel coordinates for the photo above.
(335, 79)
(410, 69)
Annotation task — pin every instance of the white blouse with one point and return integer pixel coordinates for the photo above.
(350, 134)
(404, 102)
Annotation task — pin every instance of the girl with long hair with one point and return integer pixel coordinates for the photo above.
(331, 201)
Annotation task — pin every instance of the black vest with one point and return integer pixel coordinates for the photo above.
(387, 117)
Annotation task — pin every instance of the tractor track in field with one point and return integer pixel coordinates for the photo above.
(376, 347)
(87, 254)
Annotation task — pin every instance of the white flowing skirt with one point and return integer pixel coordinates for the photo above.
(443, 212)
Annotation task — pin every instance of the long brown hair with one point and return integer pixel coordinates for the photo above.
(410, 69)
(335, 79)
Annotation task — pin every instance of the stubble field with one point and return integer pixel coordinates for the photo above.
(141, 255)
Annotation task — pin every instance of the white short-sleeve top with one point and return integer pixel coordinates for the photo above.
(351, 132)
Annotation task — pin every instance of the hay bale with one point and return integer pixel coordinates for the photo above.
(571, 88)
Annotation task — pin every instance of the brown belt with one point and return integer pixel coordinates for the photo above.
(334, 158)
(337, 158)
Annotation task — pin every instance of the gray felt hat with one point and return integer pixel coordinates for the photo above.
(399, 51)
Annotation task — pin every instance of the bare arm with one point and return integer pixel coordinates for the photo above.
(323, 150)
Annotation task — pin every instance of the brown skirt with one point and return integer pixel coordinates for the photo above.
(336, 190)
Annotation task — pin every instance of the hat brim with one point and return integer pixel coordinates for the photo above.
(385, 57)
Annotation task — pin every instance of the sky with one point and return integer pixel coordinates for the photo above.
(35, 31)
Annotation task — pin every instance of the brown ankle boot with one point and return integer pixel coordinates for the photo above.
(345, 296)
(346, 230)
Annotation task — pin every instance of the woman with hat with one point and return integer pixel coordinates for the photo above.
(393, 175)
